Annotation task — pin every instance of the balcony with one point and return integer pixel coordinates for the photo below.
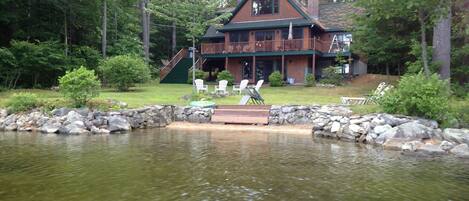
(266, 46)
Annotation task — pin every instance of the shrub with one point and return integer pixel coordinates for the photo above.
(79, 85)
(275, 79)
(199, 74)
(226, 75)
(460, 91)
(124, 71)
(48, 105)
(331, 76)
(417, 95)
(309, 80)
(22, 102)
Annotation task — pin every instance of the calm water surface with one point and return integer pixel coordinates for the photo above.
(180, 165)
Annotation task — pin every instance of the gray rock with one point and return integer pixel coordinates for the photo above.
(456, 135)
(60, 112)
(414, 131)
(96, 130)
(381, 129)
(461, 151)
(51, 126)
(394, 144)
(73, 116)
(445, 145)
(3, 113)
(388, 134)
(335, 127)
(74, 128)
(118, 123)
(411, 146)
(356, 129)
(431, 149)
(378, 121)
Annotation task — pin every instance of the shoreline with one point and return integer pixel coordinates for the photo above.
(287, 129)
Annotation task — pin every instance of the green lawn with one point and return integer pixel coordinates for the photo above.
(173, 93)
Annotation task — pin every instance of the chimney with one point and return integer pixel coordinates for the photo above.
(313, 8)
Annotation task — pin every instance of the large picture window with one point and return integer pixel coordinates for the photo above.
(264, 7)
(265, 35)
(239, 36)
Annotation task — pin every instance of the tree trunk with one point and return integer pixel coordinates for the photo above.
(173, 41)
(104, 29)
(387, 69)
(145, 29)
(442, 45)
(423, 41)
(65, 33)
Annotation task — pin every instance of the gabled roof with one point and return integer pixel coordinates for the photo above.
(212, 32)
(292, 2)
(336, 16)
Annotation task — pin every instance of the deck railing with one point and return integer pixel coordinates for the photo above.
(266, 46)
(175, 60)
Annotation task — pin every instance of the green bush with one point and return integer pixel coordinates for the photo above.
(331, 76)
(309, 80)
(48, 105)
(124, 71)
(460, 91)
(226, 75)
(22, 102)
(199, 74)
(275, 79)
(417, 95)
(79, 85)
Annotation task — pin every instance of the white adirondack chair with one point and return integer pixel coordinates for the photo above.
(199, 85)
(378, 93)
(239, 88)
(221, 88)
(259, 85)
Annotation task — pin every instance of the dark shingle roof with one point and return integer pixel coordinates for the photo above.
(336, 16)
(212, 32)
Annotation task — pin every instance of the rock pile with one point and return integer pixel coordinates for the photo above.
(193, 114)
(300, 114)
(83, 121)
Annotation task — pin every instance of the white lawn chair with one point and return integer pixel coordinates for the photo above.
(378, 93)
(221, 88)
(199, 85)
(239, 88)
(259, 85)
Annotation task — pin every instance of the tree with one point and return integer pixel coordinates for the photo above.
(104, 29)
(145, 28)
(442, 43)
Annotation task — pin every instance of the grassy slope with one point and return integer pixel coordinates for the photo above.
(172, 93)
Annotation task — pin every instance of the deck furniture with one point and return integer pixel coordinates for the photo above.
(378, 93)
(259, 85)
(251, 96)
(221, 88)
(200, 87)
(239, 88)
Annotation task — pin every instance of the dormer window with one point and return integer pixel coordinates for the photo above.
(264, 7)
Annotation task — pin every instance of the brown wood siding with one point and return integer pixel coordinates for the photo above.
(286, 11)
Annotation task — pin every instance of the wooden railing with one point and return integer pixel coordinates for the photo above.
(266, 46)
(174, 61)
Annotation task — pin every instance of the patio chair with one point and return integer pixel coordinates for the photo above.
(378, 93)
(221, 88)
(251, 94)
(199, 86)
(259, 85)
(239, 88)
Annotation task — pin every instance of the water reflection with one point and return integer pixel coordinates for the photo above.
(200, 165)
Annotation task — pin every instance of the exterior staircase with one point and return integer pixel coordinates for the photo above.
(176, 71)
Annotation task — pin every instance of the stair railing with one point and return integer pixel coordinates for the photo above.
(174, 61)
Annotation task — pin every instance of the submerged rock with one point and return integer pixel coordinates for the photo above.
(461, 151)
(431, 149)
(118, 123)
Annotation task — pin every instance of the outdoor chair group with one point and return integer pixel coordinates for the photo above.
(222, 87)
(369, 99)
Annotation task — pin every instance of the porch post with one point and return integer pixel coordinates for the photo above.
(254, 68)
(283, 66)
(314, 65)
(226, 63)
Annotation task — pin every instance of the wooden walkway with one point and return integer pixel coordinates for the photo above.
(242, 114)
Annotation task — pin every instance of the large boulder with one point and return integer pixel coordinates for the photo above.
(118, 123)
(3, 113)
(388, 134)
(74, 128)
(60, 112)
(456, 135)
(73, 116)
(461, 151)
(414, 131)
(431, 149)
(381, 129)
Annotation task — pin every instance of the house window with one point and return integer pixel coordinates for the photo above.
(341, 42)
(265, 35)
(239, 36)
(264, 7)
(297, 33)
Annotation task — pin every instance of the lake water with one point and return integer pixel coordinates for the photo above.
(203, 165)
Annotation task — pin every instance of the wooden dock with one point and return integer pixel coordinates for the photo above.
(242, 114)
